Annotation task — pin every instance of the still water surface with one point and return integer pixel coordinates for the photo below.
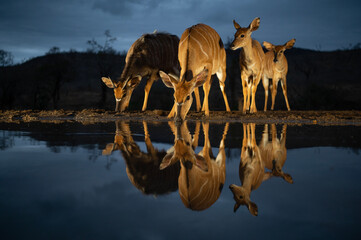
(160, 181)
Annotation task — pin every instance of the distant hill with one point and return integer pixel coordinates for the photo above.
(71, 80)
(62, 80)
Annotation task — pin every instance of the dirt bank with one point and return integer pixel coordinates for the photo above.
(99, 115)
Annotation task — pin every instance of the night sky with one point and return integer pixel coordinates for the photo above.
(30, 28)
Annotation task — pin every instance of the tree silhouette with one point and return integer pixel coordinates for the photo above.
(53, 50)
(6, 58)
(7, 86)
(104, 58)
(49, 78)
(95, 47)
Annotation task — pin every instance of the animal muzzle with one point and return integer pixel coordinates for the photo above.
(178, 117)
(117, 103)
(232, 46)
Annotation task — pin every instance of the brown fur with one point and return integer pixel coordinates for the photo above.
(274, 152)
(251, 170)
(143, 167)
(202, 175)
(276, 67)
(146, 57)
(254, 159)
(201, 54)
(251, 62)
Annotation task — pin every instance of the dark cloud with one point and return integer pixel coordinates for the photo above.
(329, 24)
(126, 7)
(30, 28)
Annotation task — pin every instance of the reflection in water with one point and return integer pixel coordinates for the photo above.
(143, 168)
(198, 176)
(202, 175)
(274, 152)
(251, 170)
(6, 140)
(63, 195)
(254, 159)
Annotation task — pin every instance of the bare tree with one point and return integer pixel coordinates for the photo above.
(6, 58)
(103, 53)
(53, 50)
(7, 86)
(95, 47)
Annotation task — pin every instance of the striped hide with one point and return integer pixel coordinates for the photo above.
(146, 57)
(201, 54)
(202, 175)
(143, 168)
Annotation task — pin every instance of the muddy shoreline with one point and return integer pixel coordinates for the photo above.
(351, 117)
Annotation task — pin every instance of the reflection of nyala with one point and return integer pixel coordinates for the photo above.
(254, 159)
(251, 170)
(202, 176)
(274, 153)
(143, 168)
(149, 54)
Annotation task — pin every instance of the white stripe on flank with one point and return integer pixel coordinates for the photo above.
(184, 39)
(200, 45)
(158, 51)
(200, 189)
(166, 50)
(213, 42)
(151, 49)
(207, 40)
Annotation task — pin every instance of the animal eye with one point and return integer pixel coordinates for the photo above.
(240, 196)
(188, 97)
(281, 51)
(242, 36)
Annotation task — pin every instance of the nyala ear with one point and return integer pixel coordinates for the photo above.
(168, 80)
(287, 178)
(201, 163)
(236, 25)
(109, 82)
(253, 209)
(167, 161)
(254, 24)
(268, 46)
(201, 78)
(236, 206)
(290, 43)
(134, 81)
(110, 147)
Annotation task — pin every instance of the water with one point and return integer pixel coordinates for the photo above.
(103, 181)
